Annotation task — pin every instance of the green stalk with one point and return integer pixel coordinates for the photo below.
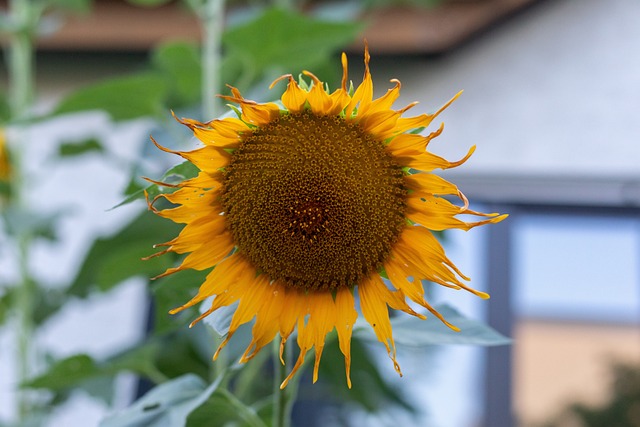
(283, 399)
(25, 306)
(20, 62)
(284, 4)
(213, 24)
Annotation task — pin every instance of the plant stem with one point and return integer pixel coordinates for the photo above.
(283, 399)
(25, 307)
(213, 24)
(279, 374)
(20, 61)
(284, 4)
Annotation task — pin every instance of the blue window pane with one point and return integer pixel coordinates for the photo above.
(577, 268)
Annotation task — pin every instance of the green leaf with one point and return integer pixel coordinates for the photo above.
(76, 6)
(5, 110)
(6, 303)
(284, 41)
(182, 353)
(21, 221)
(122, 98)
(413, 332)
(68, 149)
(140, 359)
(114, 259)
(370, 389)
(224, 407)
(168, 404)
(176, 174)
(173, 291)
(5, 190)
(46, 302)
(180, 63)
(66, 373)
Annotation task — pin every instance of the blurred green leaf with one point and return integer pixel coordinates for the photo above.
(168, 404)
(220, 320)
(180, 63)
(181, 353)
(171, 292)
(5, 190)
(77, 6)
(78, 372)
(284, 41)
(176, 174)
(6, 303)
(369, 389)
(122, 98)
(46, 302)
(114, 259)
(140, 359)
(66, 373)
(21, 221)
(68, 149)
(224, 407)
(413, 332)
(5, 110)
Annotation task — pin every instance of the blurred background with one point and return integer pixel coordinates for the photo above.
(552, 91)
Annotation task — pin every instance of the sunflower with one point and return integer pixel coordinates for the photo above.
(300, 207)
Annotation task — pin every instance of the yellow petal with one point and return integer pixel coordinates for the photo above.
(205, 256)
(423, 120)
(219, 280)
(247, 291)
(374, 297)
(323, 104)
(346, 316)
(428, 161)
(208, 158)
(412, 144)
(422, 257)
(383, 103)
(436, 213)
(190, 237)
(364, 93)
(224, 133)
(253, 112)
(428, 183)
(322, 319)
(266, 326)
(297, 306)
(294, 97)
(414, 290)
(194, 203)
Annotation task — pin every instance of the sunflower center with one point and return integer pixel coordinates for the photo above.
(314, 201)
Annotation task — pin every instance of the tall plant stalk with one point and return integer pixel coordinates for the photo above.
(212, 17)
(20, 62)
(20, 59)
(283, 399)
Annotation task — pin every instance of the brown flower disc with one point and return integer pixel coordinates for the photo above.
(314, 201)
